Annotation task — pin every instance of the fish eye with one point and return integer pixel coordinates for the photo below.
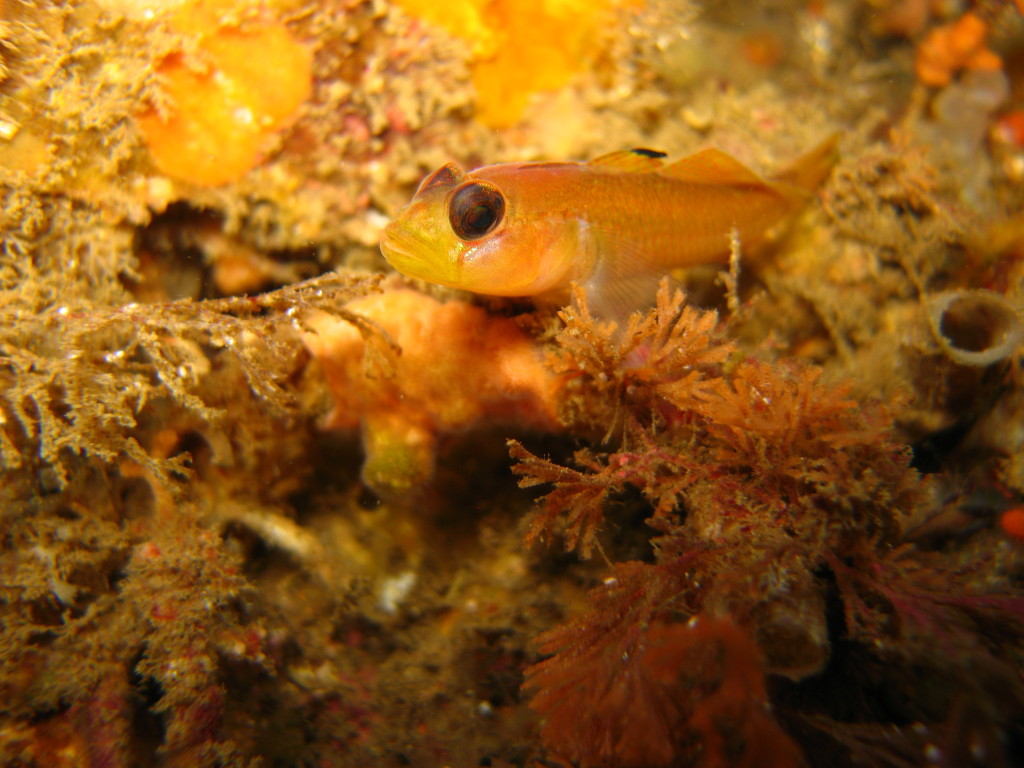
(475, 209)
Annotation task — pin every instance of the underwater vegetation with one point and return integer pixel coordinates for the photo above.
(266, 502)
(778, 507)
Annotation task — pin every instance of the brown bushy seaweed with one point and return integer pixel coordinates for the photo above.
(77, 376)
(771, 495)
(659, 356)
(125, 616)
(580, 494)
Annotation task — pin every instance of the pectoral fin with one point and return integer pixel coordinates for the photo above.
(625, 279)
(617, 298)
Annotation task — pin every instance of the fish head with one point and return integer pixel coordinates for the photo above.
(478, 232)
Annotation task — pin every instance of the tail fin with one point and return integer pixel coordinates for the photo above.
(810, 171)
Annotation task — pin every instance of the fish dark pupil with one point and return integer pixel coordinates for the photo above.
(475, 209)
(479, 219)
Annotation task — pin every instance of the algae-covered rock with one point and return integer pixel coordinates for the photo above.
(258, 505)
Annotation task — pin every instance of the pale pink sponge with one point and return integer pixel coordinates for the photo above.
(458, 368)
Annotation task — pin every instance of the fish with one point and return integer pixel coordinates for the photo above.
(614, 225)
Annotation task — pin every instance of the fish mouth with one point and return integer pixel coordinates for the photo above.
(395, 250)
(411, 256)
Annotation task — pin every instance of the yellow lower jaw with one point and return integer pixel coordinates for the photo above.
(412, 263)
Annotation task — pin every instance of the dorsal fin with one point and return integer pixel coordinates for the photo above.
(630, 161)
(712, 167)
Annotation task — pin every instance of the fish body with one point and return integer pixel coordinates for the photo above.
(614, 224)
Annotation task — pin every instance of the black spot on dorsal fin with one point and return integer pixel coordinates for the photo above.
(648, 152)
(630, 161)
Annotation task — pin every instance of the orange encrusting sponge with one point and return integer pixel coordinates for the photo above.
(521, 47)
(953, 47)
(1012, 523)
(225, 102)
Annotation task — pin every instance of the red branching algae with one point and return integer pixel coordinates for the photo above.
(659, 694)
(771, 495)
